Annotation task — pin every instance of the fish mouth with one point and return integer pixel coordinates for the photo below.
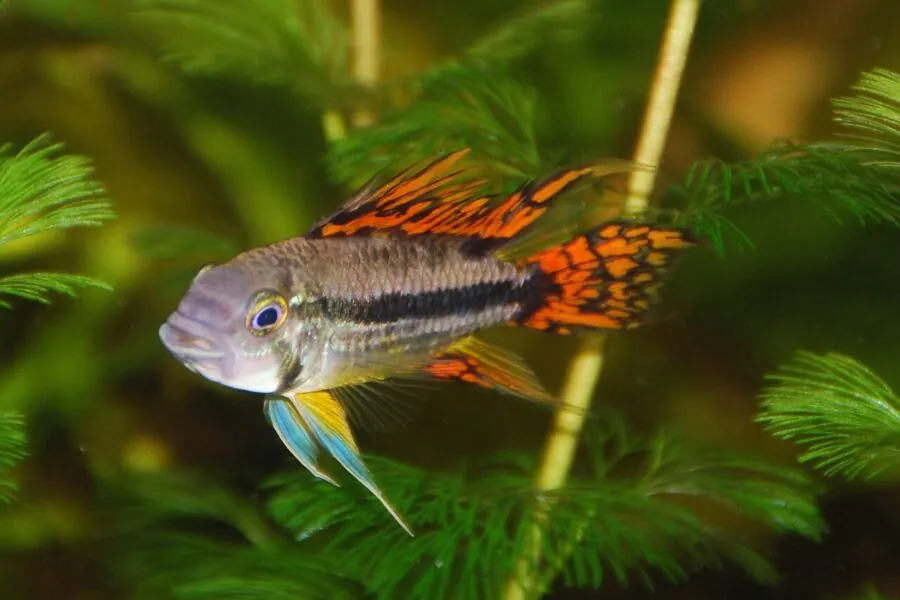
(188, 340)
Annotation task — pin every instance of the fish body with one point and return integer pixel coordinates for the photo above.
(394, 285)
(361, 308)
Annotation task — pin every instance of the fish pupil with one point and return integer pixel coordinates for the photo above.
(267, 317)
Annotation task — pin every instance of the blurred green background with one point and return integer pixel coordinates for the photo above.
(202, 162)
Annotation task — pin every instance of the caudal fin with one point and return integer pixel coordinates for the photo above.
(607, 278)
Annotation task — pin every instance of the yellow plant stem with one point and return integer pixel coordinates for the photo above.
(586, 367)
(366, 25)
(661, 104)
(333, 125)
(581, 380)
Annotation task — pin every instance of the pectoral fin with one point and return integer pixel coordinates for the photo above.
(325, 419)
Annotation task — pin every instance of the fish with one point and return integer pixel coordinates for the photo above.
(397, 283)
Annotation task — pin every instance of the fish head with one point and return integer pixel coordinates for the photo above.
(235, 326)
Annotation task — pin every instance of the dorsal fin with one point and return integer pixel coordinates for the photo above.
(434, 201)
(378, 208)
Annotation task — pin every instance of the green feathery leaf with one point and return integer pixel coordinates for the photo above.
(38, 286)
(192, 566)
(870, 593)
(185, 538)
(471, 528)
(492, 115)
(304, 44)
(847, 179)
(857, 176)
(540, 24)
(12, 451)
(301, 45)
(41, 190)
(846, 416)
(183, 243)
(874, 113)
(184, 249)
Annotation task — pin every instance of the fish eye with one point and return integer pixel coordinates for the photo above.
(267, 314)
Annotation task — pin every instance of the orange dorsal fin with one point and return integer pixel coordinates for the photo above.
(434, 201)
(385, 208)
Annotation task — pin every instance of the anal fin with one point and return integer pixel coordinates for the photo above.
(476, 362)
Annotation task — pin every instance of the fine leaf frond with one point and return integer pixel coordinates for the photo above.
(537, 25)
(472, 526)
(145, 502)
(870, 593)
(857, 174)
(12, 451)
(173, 537)
(39, 286)
(874, 110)
(184, 249)
(846, 416)
(653, 529)
(300, 45)
(42, 190)
(183, 243)
(196, 566)
(846, 179)
(494, 116)
(778, 496)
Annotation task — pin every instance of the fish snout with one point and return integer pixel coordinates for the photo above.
(189, 340)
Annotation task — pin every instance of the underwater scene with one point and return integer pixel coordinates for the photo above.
(497, 300)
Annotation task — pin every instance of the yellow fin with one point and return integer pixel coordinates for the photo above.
(295, 435)
(327, 420)
(379, 405)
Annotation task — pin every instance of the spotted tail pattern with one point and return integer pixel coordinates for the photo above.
(604, 279)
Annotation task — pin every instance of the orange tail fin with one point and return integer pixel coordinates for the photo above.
(604, 279)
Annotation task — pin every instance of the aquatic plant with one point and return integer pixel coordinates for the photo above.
(42, 190)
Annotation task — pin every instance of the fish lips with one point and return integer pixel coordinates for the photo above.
(196, 346)
(213, 355)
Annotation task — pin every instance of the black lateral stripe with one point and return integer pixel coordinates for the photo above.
(426, 305)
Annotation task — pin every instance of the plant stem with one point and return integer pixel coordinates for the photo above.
(366, 24)
(585, 370)
(658, 113)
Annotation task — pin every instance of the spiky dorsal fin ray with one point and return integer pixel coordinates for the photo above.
(383, 207)
(432, 200)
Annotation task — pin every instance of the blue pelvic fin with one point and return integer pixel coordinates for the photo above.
(325, 418)
(294, 434)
